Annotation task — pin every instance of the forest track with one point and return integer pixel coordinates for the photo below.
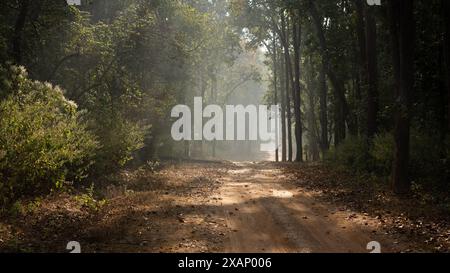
(266, 214)
(201, 207)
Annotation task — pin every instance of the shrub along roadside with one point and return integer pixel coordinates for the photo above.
(429, 164)
(44, 141)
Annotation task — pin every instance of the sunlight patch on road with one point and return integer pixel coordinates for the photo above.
(241, 171)
(282, 194)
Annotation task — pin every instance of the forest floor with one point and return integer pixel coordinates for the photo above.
(228, 207)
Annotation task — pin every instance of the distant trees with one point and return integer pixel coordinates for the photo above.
(277, 25)
(370, 78)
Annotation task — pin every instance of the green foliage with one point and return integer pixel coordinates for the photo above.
(426, 154)
(428, 162)
(352, 153)
(21, 208)
(43, 138)
(120, 139)
(88, 199)
(383, 153)
(124, 63)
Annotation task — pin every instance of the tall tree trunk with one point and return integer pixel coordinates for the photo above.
(204, 86)
(18, 31)
(288, 82)
(402, 28)
(313, 130)
(372, 73)
(324, 144)
(361, 79)
(288, 109)
(297, 91)
(283, 110)
(213, 101)
(446, 15)
(275, 86)
(339, 122)
(186, 143)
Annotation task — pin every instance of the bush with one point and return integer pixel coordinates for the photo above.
(383, 153)
(43, 138)
(429, 159)
(426, 152)
(352, 153)
(120, 139)
(425, 155)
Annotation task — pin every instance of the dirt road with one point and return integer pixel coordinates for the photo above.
(200, 207)
(267, 214)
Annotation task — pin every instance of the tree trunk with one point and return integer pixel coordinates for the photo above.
(372, 73)
(213, 101)
(275, 86)
(204, 86)
(338, 87)
(323, 111)
(297, 92)
(360, 31)
(361, 78)
(313, 130)
(288, 82)
(446, 15)
(283, 110)
(339, 122)
(402, 27)
(288, 109)
(18, 31)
